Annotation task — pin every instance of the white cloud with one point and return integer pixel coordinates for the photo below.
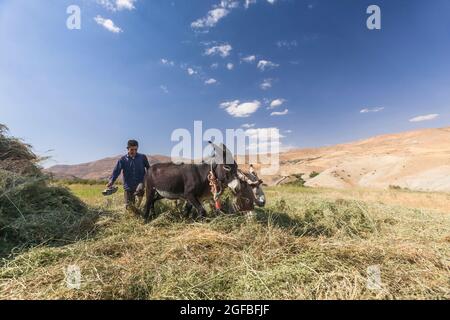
(248, 3)
(240, 110)
(266, 84)
(108, 24)
(229, 4)
(214, 65)
(370, 110)
(249, 59)
(222, 50)
(264, 134)
(125, 4)
(426, 117)
(217, 13)
(191, 71)
(220, 11)
(265, 64)
(276, 103)
(167, 62)
(280, 113)
(211, 19)
(211, 81)
(288, 131)
(248, 125)
(264, 139)
(117, 5)
(164, 89)
(230, 66)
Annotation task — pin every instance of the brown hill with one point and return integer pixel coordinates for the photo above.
(96, 170)
(417, 160)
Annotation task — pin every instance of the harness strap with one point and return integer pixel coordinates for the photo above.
(216, 190)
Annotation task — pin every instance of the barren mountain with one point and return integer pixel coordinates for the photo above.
(417, 160)
(97, 170)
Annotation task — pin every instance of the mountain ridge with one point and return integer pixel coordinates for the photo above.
(416, 160)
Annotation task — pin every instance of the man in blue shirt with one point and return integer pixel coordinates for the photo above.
(133, 167)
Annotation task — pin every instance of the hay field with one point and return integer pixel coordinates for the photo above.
(306, 244)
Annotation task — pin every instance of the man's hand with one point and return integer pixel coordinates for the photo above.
(109, 185)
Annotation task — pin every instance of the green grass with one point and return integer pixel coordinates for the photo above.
(306, 244)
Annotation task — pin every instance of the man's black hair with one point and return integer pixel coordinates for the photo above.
(132, 143)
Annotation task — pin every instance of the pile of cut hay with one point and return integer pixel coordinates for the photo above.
(32, 211)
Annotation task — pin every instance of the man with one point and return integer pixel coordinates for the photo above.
(133, 166)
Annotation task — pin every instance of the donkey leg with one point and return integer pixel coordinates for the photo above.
(149, 204)
(187, 208)
(197, 204)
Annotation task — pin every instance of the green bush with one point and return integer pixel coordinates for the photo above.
(313, 174)
(299, 181)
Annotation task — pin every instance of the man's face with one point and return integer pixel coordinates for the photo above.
(132, 151)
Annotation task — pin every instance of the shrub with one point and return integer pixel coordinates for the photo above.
(313, 174)
(299, 181)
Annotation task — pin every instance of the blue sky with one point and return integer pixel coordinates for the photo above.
(83, 93)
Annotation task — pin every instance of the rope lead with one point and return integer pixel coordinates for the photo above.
(216, 190)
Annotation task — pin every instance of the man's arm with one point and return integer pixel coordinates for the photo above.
(116, 173)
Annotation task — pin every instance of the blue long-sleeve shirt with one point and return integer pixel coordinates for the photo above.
(133, 170)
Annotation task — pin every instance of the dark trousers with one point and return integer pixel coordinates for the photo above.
(130, 198)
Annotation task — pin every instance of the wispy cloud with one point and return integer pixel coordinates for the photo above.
(220, 11)
(212, 18)
(164, 89)
(210, 81)
(240, 110)
(217, 13)
(108, 24)
(371, 110)
(117, 5)
(167, 62)
(249, 59)
(248, 125)
(276, 103)
(191, 71)
(222, 50)
(266, 84)
(248, 3)
(280, 113)
(125, 4)
(427, 117)
(266, 64)
(230, 66)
